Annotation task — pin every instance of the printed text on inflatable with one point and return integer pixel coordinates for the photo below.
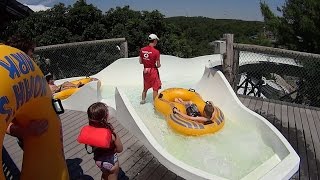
(25, 89)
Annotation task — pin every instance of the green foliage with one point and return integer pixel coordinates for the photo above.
(299, 29)
(312, 81)
(198, 32)
(179, 36)
(273, 21)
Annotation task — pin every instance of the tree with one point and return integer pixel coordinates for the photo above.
(83, 16)
(180, 36)
(299, 29)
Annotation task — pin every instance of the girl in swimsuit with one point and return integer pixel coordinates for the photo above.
(106, 158)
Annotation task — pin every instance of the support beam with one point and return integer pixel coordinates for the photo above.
(228, 60)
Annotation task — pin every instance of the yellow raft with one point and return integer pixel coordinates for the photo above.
(68, 92)
(25, 96)
(164, 103)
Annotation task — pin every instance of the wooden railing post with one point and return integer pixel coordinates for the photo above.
(228, 59)
(124, 49)
(235, 68)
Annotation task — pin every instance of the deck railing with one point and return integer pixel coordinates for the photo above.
(80, 58)
(273, 73)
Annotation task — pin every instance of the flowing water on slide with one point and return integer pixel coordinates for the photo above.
(232, 153)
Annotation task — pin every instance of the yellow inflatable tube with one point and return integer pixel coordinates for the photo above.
(25, 95)
(165, 105)
(68, 92)
(82, 81)
(65, 93)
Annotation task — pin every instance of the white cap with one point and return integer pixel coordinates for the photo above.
(153, 37)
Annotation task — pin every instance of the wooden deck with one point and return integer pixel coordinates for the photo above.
(300, 125)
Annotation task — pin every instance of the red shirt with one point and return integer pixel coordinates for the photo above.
(149, 56)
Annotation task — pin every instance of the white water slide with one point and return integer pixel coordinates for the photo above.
(247, 147)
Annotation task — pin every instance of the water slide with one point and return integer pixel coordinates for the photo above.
(247, 147)
(127, 72)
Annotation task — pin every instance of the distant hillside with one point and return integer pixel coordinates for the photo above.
(200, 31)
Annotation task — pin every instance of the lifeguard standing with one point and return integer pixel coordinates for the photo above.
(150, 58)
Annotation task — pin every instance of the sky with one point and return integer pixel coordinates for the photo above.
(218, 9)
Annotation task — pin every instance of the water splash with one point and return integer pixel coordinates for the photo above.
(232, 153)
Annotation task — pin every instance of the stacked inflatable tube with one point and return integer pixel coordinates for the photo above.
(68, 92)
(25, 96)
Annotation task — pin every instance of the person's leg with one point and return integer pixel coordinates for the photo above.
(94, 79)
(113, 174)
(69, 84)
(156, 83)
(110, 167)
(144, 95)
(155, 94)
(104, 175)
(79, 85)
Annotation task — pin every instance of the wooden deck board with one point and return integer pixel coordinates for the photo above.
(10, 170)
(301, 145)
(169, 176)
(301, 126)
(264, 108)
(317, 145)
(135, 148)
(72, 121)
(133, 159)
(309, 145)
(136, 168)
(246, 101)
(293, 138)
(315, 140)
(285, 121)
(241, 99)
(277, 116)
(179, 178)
(270, 113)
(252, 104)
(148, 170)
(158, 173)
(15, 153)
(316, 119)
(258, 106)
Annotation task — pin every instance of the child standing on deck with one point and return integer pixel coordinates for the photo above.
(106, 158)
